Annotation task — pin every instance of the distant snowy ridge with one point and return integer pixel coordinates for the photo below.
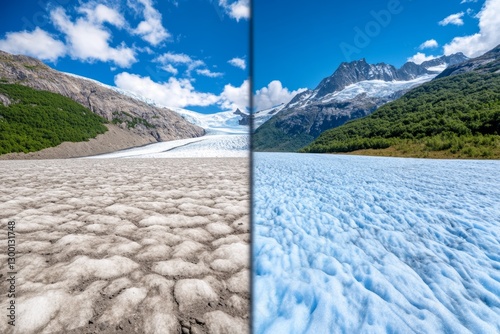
(224, 121)
(377, 88)
(262, 116)
(375, 80)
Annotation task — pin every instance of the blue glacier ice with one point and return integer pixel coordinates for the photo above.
(350, 244)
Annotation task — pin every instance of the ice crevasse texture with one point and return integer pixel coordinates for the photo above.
(347, 244)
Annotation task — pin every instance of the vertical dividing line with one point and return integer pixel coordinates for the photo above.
(251, 103)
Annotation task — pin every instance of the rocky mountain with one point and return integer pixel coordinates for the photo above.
(354, 90)
(457, 115)
(131, 115)
(439, 64)
(262, 116)
(487, 63)
(245, 118)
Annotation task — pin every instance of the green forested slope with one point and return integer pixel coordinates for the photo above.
(37, 119)
(456, 116)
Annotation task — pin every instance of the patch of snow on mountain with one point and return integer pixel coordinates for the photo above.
(262, 116)
(438, 68)
(304, 97)
(347, 244)
(376, 88)
(220, 122)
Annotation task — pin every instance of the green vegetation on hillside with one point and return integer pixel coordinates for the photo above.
(457, 116)
(35, 120)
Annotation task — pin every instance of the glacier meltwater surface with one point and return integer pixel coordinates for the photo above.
(348, 244)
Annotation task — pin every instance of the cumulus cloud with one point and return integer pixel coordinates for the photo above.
(170, 69)
(38, 44)
(233, 98)
(207, 73)
(238, 62)
(420, 57)
(274, 94)
(455, 19)
(238, 10)
(88, 40)
(185, 60)
(176, 58)
(173, 93)
(487, 37)
(100, 14)
(151, 29)
(432, 43)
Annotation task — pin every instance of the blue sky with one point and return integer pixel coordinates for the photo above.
(298, 43)
(195, 54)
(183, 53)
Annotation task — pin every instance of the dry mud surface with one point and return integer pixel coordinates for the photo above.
(127, 246)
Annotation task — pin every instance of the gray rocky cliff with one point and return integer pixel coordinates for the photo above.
(137, 117)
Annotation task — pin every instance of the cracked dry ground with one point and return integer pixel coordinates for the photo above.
(128, 246)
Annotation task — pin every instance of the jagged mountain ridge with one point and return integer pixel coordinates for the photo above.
(354, 90)
(487, 63)
(461, 118)
(358, 71)
(138, 117)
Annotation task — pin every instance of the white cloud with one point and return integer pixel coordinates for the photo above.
(455, 19)
(88, 40)
(432, 43)
(238, 10)
(233, 98)
(100, 13)
(173, 93)
(171, 69)
(238, 62)
(175, 58)
(38, 44)
(206, 72)
(419, 58)
(467, 1)
(151, 29)
(190, 63)
(487, 37)
(273, 94)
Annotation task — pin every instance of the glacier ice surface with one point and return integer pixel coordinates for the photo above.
(349, 244)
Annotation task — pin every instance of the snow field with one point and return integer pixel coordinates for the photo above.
(208, 146)
(347, 244)
(139, 246)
